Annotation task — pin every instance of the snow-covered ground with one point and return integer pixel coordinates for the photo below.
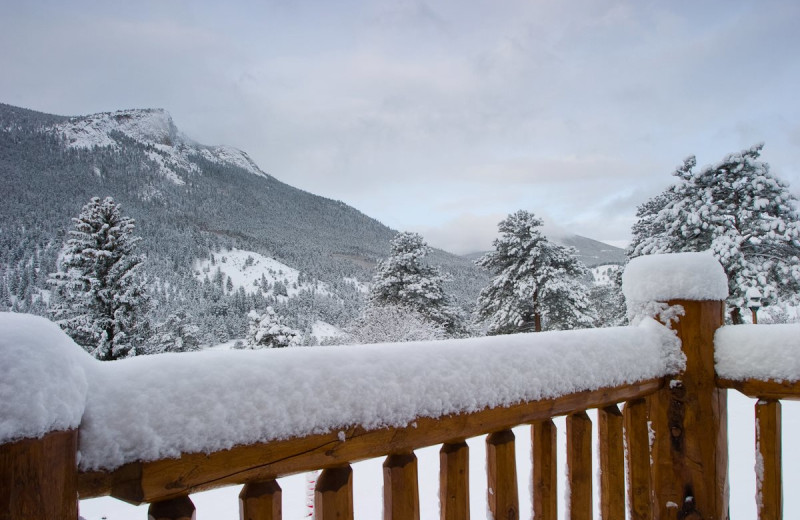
(247, 269)
(368, 479)
(603, 274)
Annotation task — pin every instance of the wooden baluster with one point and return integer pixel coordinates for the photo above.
(180, 508)
(333, 494)
(502, 475)
(39, 477)
(260, 501)
(579, 465)
(400, 488)
(612, 463)
(545, 481)
(454, 481)
(768, 459)
(637, 441)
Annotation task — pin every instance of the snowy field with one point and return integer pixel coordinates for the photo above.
(248, 269)
(367, 479)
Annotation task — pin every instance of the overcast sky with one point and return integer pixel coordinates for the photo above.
(438, 117)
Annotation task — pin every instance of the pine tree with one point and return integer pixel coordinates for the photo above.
(740, 212)
(404, 279)
(537, 283)
(267, 330)
(100, 296)
(177, 333)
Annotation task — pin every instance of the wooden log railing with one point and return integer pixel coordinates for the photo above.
(682, 475)
(768, 395)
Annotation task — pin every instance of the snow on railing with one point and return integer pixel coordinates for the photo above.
(155, 407)
(216, 418)
(763, 352)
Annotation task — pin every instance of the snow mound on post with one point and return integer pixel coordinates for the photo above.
(42, 380)
(676, 276)
(154, 407)
(763, 352)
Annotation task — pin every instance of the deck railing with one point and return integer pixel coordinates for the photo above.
(672, 432)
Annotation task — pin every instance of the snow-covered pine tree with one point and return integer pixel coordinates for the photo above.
(177, 333)
(268, 331)
(537, 283)
(100, 297)
(404, 279)
(740, 212)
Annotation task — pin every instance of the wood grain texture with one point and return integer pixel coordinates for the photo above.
(637, 440)
(261, 501)
(612, 463)
(758, 389)
(400, 487)
(39, 478)
(689, 420)
(333, 494)
(501, 472)
(545, 482)
(454, 481)
(180, 508)
(140, 482)
(768, 456)
(579, 465)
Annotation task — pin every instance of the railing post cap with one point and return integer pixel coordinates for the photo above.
(43, 371)
(675, 276)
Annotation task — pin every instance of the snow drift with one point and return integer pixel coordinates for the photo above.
(152, 407)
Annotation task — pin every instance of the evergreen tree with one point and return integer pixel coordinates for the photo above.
(177, 333)
(537, 283)
(268, 331)
(740, 212)
(404, 279)
(100, 297)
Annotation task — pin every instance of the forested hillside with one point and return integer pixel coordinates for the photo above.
(188, 201)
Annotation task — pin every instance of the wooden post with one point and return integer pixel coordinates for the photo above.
(637, 440)
(400, 488)
(454, 481)
(180, 508)
(612, 463)
(261, 501)
(333, 495)
(501, 467)
(689, 418)
(39, 478)
(545, 483)
(579, 465)
(768, 460)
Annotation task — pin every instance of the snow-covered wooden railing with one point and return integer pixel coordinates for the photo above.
(155, 429)
(762, 362)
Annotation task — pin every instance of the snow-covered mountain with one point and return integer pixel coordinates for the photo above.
(192, 203)
(591, 252)
(170, 149)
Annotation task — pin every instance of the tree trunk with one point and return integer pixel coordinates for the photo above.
(537, 322)
(736, 316)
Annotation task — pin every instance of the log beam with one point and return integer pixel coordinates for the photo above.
(39, 477)
(454, 481)
(400, 487)
(261, 501)
(501, 468)
(333, 494)
(545, 482)
(768, 460)
(612, 463)
(579, 465)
